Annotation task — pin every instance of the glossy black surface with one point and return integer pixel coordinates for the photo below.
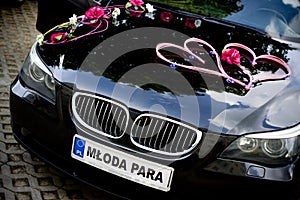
(121, 64)
(250, 111)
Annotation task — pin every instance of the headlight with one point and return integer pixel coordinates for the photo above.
(273, 148)
(36, 73)
(247, 144)
(50, 82)
(37, 76)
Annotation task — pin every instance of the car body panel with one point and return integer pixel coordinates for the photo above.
(121, 67)
(254, 102)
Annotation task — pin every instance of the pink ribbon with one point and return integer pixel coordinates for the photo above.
(222, 72)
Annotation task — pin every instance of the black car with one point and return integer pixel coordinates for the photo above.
(157, 97)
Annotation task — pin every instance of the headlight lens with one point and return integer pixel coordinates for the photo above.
(247, 144)
(36, 73)
(274, 148)
(256, 148)
(50, 82)
(37, 76)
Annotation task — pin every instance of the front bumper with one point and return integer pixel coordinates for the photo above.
(46, 130)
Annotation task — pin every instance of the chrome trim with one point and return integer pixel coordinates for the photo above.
(90, 114)
(164, 136)
(170, 146)
(281, 134)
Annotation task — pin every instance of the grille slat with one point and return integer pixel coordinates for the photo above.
(94, 123)
(168, 139)
(163, 135)
(84, 109)
(103, 117)
(153, 132)
(157, 134)
(112, 124)
(179, 140)
(81, 105)
(100, 115)
(108, 122)
(142, 139)
(123, 124)
(148, 129)
(185, 139)
(117, 122)
(160, 146)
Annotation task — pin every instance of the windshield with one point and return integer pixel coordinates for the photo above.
(278, 18)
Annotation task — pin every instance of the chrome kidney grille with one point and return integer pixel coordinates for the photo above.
(150, 132)
(163, 135)
(100, 115)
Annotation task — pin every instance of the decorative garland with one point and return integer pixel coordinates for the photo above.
(96, 19)
(231, 56)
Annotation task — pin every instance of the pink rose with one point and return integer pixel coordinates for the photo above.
(166, 16)
(190, 22)
(135, 14)
(94, 12)
(138, 3)
(58, 37)
(231, 56)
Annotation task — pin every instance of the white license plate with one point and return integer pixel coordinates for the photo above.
(122, 164)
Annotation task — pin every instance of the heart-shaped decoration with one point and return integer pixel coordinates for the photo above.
(231, 54)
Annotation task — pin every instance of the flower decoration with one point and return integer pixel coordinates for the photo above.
(115, 22)
(116, 13)
(150, 8)
(190, 22)
(231, 56)
(151, 11)
(166, 16)
(94, 13)
(95, 20)
(198, 23)
(73, 22)
(135, 7)
(150, 15)
(57, 37)
(136, 3)
(40, 39)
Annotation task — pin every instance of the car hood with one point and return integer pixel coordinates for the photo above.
(122, 64)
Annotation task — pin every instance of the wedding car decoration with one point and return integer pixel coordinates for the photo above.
(231, 55)
(95, 20)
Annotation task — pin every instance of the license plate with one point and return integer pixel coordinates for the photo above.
(122, 164)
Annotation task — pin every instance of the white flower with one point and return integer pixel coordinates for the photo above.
(116, 13)
(40, 39)
(150, 8)
(150, 15)
(198, 23)
(115, 22)
(73, 20)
